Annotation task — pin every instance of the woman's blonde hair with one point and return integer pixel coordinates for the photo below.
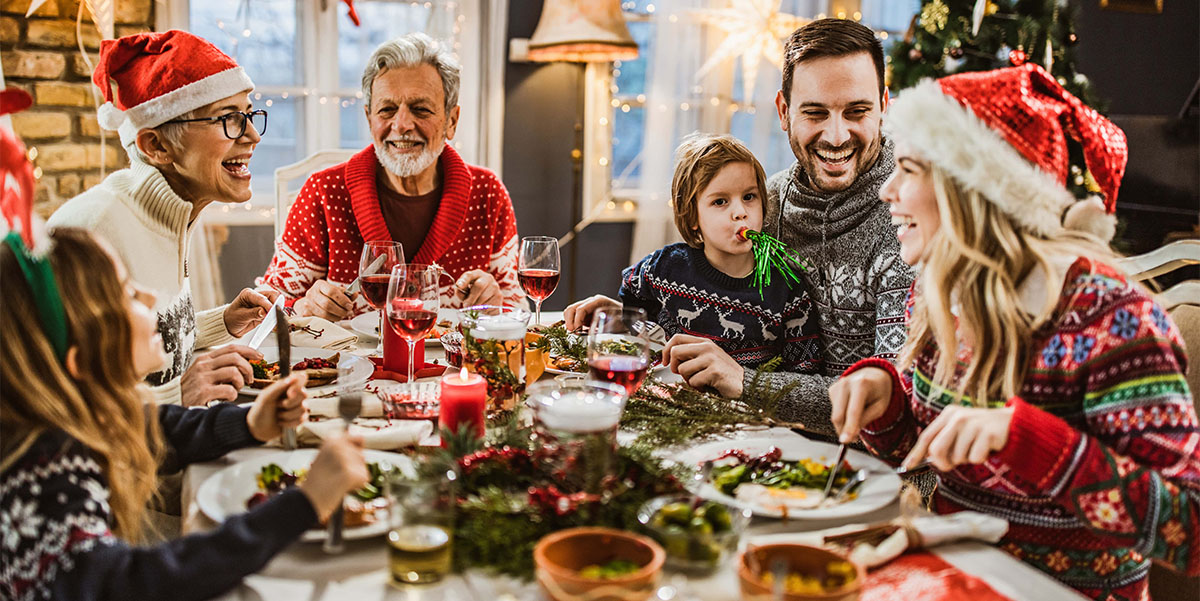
(698, 159)
(105, 407)
(972, 269)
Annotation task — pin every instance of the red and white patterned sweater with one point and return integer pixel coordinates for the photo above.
(338, 208)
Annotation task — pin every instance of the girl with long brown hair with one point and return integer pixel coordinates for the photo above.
(82, 444)
(1041, 384)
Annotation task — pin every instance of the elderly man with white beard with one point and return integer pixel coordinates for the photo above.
(410, 186)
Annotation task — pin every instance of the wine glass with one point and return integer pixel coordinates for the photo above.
(619, 347)
(538, 270)
(413, 299)
(375, 271)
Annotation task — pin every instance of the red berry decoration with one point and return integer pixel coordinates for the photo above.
(956, 53)
(1017, 57)
(914, 55)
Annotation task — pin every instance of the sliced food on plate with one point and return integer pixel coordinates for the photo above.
(362, 507)
(769, 481)
(320, 371)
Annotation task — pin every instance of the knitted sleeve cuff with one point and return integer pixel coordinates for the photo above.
(1040, 445)
(210, 327)
(167, 394)
(895, 405)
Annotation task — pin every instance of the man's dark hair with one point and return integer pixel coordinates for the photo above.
(830, 37)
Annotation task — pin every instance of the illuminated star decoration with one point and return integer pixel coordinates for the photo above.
(755, 29)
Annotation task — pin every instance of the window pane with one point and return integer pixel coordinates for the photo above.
(383, 20)
(261, 36)
(630, 76)
(353, 120)
(627, 145)
(283, 143)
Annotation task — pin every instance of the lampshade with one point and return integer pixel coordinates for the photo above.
(582, 31)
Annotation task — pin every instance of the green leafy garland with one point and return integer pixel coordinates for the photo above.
(501, 381)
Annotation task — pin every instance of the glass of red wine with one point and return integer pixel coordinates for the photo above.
(619, 347)
(538, 270)
(375, 272)
(413, 300)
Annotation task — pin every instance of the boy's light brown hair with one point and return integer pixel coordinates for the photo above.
(697, 160)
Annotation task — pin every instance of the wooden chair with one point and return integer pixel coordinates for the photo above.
(1182, 302)
(301, 169)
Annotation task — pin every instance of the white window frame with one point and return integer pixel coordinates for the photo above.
(480, 48)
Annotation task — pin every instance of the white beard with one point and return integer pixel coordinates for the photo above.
(408, 166)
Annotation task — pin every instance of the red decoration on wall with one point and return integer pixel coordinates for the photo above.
(352, 14)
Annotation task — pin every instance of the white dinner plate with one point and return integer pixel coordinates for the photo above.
(881, 487)
(367, 324)
(226, 492)
(360, 368)
(655, 369)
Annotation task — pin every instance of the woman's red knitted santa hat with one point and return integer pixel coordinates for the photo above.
(150, 78)
(1003, 133)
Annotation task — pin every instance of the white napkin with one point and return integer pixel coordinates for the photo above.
(328, 335)
(380, 434)
(328, 406)
(932, 531)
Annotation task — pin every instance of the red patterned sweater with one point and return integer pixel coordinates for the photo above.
(338, 209)
(1101, 471)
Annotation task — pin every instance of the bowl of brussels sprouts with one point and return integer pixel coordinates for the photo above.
(697, 534)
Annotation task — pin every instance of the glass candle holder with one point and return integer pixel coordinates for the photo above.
(575, 429)
(494, 347)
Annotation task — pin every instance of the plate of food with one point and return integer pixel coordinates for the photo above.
(320, 365)
(368, 325)
(566, 352)
(785, 477)
(247, 483)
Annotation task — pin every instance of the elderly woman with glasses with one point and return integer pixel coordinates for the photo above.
(183, 111)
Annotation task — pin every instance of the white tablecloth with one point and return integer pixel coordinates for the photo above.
(305, 572)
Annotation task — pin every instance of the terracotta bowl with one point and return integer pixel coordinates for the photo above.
(801, 559)
(558, 557)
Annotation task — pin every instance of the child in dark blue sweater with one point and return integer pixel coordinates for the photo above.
(701, 288)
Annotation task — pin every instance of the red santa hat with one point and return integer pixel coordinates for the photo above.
(1003, 133)
(150, 78)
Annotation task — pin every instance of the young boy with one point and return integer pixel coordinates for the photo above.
(702, 286)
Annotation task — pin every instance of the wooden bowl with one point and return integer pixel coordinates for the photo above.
(558, 557)
(801, 559)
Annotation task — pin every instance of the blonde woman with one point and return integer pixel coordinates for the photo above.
(1042, 385)
(81, 446)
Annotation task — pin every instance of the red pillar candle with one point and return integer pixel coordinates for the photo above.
(395, 350)
(463, 399)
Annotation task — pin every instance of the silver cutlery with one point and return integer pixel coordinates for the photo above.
(833, 471)
(264, 328)
(920, 467)
(855, 480)
(283, 338)
(349, 406)
(372, 268)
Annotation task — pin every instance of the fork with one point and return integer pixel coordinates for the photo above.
(349, 406)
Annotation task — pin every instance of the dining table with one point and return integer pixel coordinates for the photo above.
(304, 571)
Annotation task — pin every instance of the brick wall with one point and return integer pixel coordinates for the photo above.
(41, 55)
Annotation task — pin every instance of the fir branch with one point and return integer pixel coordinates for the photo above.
(669, 414)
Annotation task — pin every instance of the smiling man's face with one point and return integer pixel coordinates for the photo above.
(833, 118)
(408, 119)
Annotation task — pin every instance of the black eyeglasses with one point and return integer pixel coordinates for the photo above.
(237, 120)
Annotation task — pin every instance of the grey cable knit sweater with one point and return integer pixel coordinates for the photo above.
(858, 283)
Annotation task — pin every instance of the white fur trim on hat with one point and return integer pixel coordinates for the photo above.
(156, 111)
(1089, 215)
(952, 137)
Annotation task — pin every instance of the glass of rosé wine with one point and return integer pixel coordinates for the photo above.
(538, 270)
(619, 347)
(413, 300)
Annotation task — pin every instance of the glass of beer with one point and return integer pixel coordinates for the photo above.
(494, 338)
(421, 520)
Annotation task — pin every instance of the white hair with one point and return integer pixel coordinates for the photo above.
(413, 50)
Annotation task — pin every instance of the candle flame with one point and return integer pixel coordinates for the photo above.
(462, 375)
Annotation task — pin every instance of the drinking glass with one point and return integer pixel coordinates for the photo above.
(575, 424)
(498, 338)
(412, 305)
(421, 519)
(538, 270)
(619, 347)
(375, 271)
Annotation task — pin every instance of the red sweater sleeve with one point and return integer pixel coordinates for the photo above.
(892, 434)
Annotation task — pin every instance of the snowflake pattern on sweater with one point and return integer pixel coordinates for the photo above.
(1101, 471)
(338, 209)
(682, 292)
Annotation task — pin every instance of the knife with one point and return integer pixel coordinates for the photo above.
(833, 472)
(268, 323)
(371, 269)
(283, 337)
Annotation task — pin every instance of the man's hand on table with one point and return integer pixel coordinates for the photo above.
(279, 406)
(248, 310)
(579, 314)
(703, 364)
(478, 287)
(217, 375)
(327, 300)
(338, 469)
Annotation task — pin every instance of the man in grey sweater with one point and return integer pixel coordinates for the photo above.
(826, 207)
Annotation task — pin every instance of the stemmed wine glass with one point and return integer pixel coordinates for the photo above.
(538, 270)
(413, 300)
(375, 270)
(619, 347)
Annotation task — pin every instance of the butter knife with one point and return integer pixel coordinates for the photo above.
(371, 269)
(833, 471)
(268, 324)
(283, 337)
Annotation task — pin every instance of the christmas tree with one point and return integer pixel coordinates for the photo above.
(954, 36)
